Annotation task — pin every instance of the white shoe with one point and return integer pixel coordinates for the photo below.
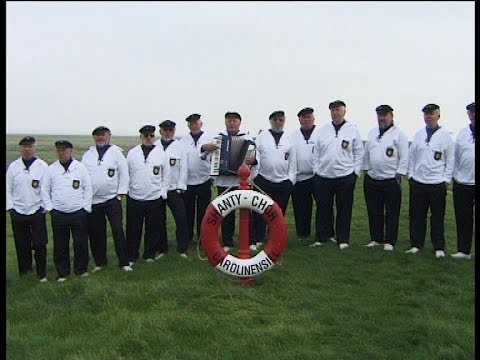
(226, 249)
(343, 246)
(97, 268)
(127, 268)
(62, 279)
(388, 247)
(149, 260)
(159, 256)
(85, 274)
(183, 255)
(316, 243)
(412, 250)
(439, 254)
(332, 239)
(372, 244)
(43, 280)
(259, 244)
(130, 263)
(253, 247)
(460, 255)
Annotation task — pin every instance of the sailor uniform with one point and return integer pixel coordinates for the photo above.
(109, 174)
(430, 168)
(223, 182)
(23, 201)
(199, 191)
(464, 187)
(67, 194)
(386, 154)
(149, 182)
(176, 156)
(337, 161)
(303, 190)
(277, 168)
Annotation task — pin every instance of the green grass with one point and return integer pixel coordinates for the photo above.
(320, 303)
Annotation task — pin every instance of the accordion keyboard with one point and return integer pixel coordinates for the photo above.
(215, 164)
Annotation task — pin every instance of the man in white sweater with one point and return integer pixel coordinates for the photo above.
(276, 160)
(67, 194)
(430, 167)
(24, 203)
(177, 158)
(198, 146)
(108, 170)
(337, 160)
(464, 186)
(149, 181)
(385, 162)
(303, 194)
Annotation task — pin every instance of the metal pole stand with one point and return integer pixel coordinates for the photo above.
(244, 242)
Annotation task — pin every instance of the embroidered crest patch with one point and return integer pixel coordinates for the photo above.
(35, 183)
(76, 184)
(156, 170)
(389, 152)
(345, 144)
(437, 155)
(111, 172)
(173, 162)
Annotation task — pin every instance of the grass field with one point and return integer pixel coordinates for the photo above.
(320, 303)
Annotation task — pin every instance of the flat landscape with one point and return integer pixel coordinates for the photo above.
(319, 303)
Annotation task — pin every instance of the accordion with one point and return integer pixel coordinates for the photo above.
(231, 154)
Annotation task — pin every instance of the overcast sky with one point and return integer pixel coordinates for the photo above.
(72, 66)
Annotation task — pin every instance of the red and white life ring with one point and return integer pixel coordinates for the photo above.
(243, 199)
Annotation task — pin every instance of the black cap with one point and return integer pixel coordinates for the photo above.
(305, 111)
(232, 115)
(100, 129)
(193, 117)
(167, 124)
(27, 140)
(336, 104)
(63, 144)
(430, 108)
(471, 107)
(383, 109)
(278, 113)
(147, 129)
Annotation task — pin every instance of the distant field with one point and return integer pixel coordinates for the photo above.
(46, 148)
(320, 303)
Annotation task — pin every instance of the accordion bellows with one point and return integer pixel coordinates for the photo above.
(231, 154)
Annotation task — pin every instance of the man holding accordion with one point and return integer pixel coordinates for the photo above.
(232, 154)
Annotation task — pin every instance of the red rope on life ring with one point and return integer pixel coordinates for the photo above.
(241, 199)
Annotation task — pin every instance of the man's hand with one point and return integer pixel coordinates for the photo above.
(209, 148)
(250, 160)
(398, 178)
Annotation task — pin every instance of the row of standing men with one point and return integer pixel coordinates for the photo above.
(313, 164)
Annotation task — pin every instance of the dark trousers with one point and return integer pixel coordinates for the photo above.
(139, 211)
(383, 199)
(97, 231)
(464, 204)
(62, 225)
(341, 190)
(176, 205)
(228, 224)
(280, 193)
(197, 197)
(422, 197)
(303, 195)
(30, 233)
